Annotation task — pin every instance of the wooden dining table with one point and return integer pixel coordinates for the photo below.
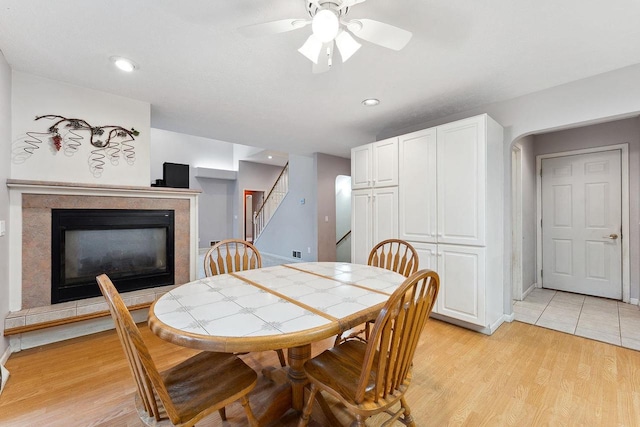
(287, 306)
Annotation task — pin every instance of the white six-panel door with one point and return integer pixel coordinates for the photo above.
(581, 224)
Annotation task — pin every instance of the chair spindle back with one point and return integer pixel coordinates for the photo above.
(395, 255)
(395, 335)
(231, 255)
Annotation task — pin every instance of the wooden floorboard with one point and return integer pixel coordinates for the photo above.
(522, 375)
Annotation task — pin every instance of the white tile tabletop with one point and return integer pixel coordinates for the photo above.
(275, 300)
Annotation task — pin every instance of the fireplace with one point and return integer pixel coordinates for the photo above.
(134, 247)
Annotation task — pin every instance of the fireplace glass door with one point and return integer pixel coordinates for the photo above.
(134, 247)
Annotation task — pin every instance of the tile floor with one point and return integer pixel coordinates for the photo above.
(599, 319)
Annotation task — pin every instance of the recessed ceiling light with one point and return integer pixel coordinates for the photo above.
(124, 64)
(371, 102)
(269, 157)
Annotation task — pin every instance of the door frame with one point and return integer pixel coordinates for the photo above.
(624, 172)
(245, 193)
(516, 229)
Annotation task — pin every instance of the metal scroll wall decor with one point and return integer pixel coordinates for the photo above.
(110, 143)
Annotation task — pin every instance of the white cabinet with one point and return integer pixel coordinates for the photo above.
(374, 217)
(462, 275)
(375, 165)
(451, 209)
(361, 166)
(443, 183)
(417, 190)
(461, 153)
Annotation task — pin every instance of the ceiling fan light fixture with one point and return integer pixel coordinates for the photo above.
(325, 25)
(370, 102)
(311, 48)
(347, 45)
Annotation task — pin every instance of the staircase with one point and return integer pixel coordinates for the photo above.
(277, 193)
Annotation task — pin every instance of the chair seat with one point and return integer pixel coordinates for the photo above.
(194, 385)
(337, 371)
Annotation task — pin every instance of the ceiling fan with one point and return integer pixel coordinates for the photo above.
(331, 28)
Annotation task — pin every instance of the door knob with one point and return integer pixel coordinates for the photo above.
(611, 236)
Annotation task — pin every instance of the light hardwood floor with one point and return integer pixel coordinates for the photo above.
(523, 375)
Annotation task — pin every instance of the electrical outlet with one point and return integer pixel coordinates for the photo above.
(3, 228)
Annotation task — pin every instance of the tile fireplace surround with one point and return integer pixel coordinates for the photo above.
(30, 231)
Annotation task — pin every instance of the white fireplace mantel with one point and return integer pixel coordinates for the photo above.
(17, 188)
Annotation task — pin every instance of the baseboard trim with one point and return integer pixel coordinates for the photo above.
(634, 301)
(5, 356)
(4, 374)
(284, 258)
(528, 290)
(487, 330)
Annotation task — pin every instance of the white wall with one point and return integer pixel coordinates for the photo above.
(36, 96)
(343, 217)
(593, 100)
(327, 169)
(294, 227)
(252, 177)
(528, 212)
(215, 203)
(5, 166)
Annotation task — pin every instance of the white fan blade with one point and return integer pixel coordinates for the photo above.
(349, 3)
(325, 61)
(380, 33)
(311, 48)
(274, 27)
(347, 45)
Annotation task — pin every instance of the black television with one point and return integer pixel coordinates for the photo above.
(175, 175)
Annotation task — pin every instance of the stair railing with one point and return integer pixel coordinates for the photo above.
(275, 196)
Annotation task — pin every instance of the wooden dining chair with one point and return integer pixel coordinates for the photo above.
(231, 255)
(186, 393)
(391, 254)
(369, 378)
(395, 255)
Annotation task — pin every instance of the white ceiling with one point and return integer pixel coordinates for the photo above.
(202, 77)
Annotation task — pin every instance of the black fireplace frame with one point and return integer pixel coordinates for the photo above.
(107, 219)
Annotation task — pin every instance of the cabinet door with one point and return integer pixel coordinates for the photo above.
(417, 186)
(361, 166)
(361, 223)
(385, 163)
(427, 254)
(462, 283)
(461, 182)
(385, 214)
